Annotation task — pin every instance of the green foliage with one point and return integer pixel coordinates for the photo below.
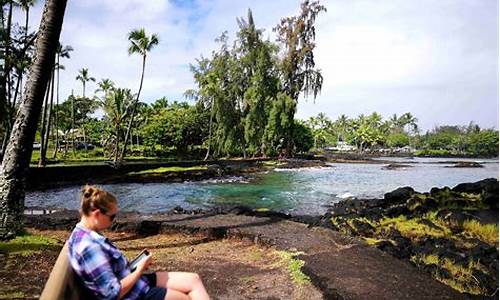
(461, 140)
(179, 125)
(294, 266)
(302, 137)
(297, 36)
(280, 124)
(251, 93)
(432, 152)
(483, 143)
(412, 228)
(168, 169)
(487, 233)
(397, 140)
(28, 244)
(462, 278)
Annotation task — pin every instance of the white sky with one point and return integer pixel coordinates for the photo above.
(435, 59)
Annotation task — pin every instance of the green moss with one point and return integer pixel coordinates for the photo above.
(461, 279)
(294, 266)
(340, 224)
(412, 228)
(273, 163)
(262, 209)
(487, 233)
(426, 259)
(28, 244)
(168, 169)
(373, 241)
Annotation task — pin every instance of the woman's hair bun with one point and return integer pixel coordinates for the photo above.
(87, 191)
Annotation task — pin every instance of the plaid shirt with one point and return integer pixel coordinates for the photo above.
(101, 265)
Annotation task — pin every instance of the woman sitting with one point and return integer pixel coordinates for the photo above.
(105, 271)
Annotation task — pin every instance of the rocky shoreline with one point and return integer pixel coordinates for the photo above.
(451, 234)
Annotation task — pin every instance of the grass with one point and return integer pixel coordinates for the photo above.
(462, 278)
(430, 259)
(28, 244)
(412, 228)
(487, 233)
(294, 266)
(12, 295)
(168, 169)
(372, 241)
(262, 209)
(273, 163)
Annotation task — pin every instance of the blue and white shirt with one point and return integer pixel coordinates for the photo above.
(101, 265)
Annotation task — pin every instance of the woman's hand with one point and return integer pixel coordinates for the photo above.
(128, 281)
(143, 265)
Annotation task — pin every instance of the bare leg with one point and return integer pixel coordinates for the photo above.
(187, 283)
(176, 295)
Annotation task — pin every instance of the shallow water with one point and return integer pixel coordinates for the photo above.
(298, 191)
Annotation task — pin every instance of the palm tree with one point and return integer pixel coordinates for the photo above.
(141, 44)
(105, 86)
(375, 119)
(343, 124)
(25, 5)
(116, 106)
(18, 153)
(62, 52)
(83, 76)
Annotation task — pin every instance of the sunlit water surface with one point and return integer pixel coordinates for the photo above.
(297, 191)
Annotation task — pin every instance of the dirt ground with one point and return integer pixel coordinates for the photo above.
(230, 268)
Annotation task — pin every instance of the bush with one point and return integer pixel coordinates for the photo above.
(433, 152)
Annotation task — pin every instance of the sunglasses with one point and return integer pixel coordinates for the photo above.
(111, 217)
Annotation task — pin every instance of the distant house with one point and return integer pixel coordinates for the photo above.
(405, 149)
(342, 147)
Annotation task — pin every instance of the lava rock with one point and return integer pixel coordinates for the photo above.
(489, 184)
(395, 166)
(399, 195)
(362, 228)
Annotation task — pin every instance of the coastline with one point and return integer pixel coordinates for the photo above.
(424, 229)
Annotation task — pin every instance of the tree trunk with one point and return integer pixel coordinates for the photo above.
(4, 85)
(117, 143)
(125, 140)
(210, 129)
(56, 144)
(41, 161)
(49, 116)
(8, 65)
(18, 153)
(73, 123)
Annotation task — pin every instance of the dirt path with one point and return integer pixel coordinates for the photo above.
(231, 269)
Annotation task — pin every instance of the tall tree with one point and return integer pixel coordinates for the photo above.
(105, 86)
(18, 153)
(83, 76)
(26, 5)
(62, 52)
(297, 34)
(259, 81)
(140, 43)
(116, 106)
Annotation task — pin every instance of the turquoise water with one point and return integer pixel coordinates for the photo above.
(297, 191)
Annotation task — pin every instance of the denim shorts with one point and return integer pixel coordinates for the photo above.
(154, 293)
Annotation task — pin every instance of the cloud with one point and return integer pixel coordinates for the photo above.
(437, 59)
